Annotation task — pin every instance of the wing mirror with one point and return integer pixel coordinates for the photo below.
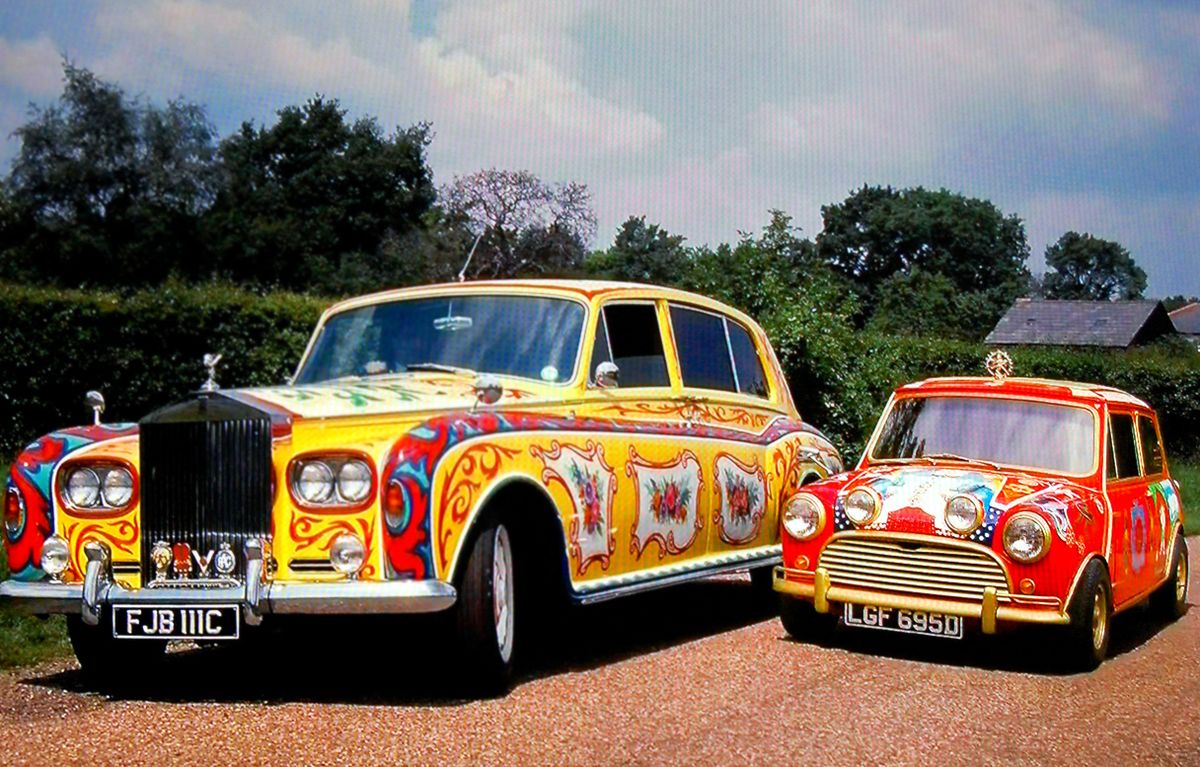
(95, 400)
(608, 375)
(488, 390)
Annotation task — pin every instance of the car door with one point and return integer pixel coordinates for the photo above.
(1158, 498)
(724, 385)
(1132, 536)
(660, 508)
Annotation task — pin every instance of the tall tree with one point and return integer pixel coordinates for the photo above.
(107, 189)
(878, 232)
(1091, 269)
(309, 202)
(527, 226)
(642, 252)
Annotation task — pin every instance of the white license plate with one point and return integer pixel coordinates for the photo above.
(162, 622)
(904, 621)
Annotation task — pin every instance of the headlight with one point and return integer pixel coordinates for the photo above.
(314, 483)
(354, 481)
(804, 516)
(862, 506)
(347, 554)
(1026, 537)
(964, 514)
(55, 556)
(117, 487)
(83, 488)
(14, 513)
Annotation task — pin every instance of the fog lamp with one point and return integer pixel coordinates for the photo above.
(347, 554)
(862, 506)
(964, 514)
(56, 557)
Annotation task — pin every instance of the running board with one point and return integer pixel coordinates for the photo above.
(602, 593)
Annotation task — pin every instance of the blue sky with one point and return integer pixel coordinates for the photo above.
(702, 116)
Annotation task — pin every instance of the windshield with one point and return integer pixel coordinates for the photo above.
(1037, 435)
(528, 337)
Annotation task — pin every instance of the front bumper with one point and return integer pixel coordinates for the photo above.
(815, 586)
(257, 598)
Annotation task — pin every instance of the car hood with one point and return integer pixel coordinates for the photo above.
(393, 395)
(914, 497)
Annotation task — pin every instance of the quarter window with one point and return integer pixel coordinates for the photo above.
(1152, 452)
(1122, 452)
(750, 375)
(704, 358)
(636, 345)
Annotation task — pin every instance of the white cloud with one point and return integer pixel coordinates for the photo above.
(33, 67)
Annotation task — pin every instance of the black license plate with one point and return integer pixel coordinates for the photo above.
(904, 621)
(162, 622)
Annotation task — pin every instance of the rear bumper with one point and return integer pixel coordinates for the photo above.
(256, 597)
(814, 586)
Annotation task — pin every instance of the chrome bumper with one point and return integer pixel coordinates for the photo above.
(988, 611)
(255, 597)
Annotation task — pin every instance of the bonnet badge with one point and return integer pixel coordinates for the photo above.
(999, 365)
(210, 363)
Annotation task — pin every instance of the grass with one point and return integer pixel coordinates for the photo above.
(1188, 477)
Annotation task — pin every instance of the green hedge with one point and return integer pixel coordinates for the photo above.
(141, 350)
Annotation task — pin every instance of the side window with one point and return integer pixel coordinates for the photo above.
(636, 343)
(1152, 452)
(1123, 456)
(704, 359)
(750, 376)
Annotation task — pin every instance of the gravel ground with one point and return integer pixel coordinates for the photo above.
(701, 674)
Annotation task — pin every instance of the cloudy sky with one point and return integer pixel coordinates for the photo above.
(704, 115)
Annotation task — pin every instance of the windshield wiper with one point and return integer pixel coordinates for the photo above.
(436, 367)
(955, 457)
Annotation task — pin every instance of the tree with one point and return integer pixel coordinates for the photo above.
(921, 303)
(310, 202)
(879, 232)
(106, 189)
(1179, 301)
(527, 227)
(642, 252)
(1091, 269)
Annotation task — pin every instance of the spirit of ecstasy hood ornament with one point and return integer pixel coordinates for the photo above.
(210, 363)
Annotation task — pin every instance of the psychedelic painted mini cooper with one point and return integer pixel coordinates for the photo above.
(468, 449)
(984, 503)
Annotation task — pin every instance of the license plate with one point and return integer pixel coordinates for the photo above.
(154, 622)
(904, 621)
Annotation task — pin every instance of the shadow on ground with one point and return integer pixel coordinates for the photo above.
(404, 660)
(1027, 649)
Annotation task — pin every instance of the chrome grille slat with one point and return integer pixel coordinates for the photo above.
(925, 569)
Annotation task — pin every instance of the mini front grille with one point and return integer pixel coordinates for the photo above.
(924, 569)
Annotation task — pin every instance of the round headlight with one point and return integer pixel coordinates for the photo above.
(862, 506)
(83, 488)
(118, 487)
(1026, 537)
(347, 554)
(55, 556)
(354, 481)
(314, 483)
(804, 516)
(14, 513)
(964, 514)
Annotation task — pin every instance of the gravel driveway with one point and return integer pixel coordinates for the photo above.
(700, 674)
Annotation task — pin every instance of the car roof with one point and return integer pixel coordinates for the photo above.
(1027, 387)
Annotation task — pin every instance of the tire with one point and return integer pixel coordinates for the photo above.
(485, 614)
(1170, 600)
(803, 622)
(762, 584)
(1085, 644)
(102, 658)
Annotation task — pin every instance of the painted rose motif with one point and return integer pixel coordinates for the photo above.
(668, 500)
(742, 497)
(587, 488)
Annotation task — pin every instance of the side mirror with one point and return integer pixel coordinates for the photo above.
(95, 400)
(608, 375)
(488, 390)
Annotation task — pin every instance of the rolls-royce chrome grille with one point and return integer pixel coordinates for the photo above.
(206, 481)
(949, 572)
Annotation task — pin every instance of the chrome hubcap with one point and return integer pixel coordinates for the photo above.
(502, 592)
(1181, 580)
(1099, 619)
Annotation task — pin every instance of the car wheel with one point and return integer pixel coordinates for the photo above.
(1090, 611)
(803, 622)
(485, 615)
(1170, 600)
(103, 658)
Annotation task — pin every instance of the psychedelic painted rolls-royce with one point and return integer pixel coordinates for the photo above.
(986, 503)
(453, 449)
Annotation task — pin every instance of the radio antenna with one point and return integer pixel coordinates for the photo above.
(462, 275)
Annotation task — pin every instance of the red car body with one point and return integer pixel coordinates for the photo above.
(1115, 507)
